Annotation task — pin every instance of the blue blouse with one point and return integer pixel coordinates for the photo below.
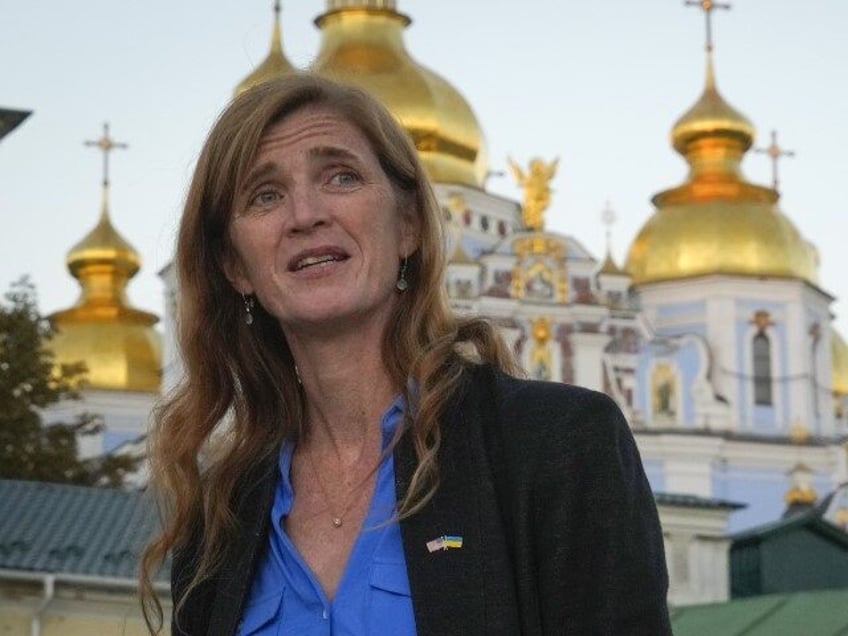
(373, 596)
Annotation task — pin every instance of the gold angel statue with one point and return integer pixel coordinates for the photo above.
(537, 189)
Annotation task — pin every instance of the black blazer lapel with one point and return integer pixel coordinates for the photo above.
(458, 591)
(236, 573)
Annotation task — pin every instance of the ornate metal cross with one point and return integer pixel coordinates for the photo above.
(106, 145)
(775, 152)
(708, 6)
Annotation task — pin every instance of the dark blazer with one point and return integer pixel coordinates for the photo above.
(544, 483)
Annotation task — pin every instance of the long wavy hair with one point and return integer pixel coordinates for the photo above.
(239, 397)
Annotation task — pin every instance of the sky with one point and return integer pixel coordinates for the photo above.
(597, 84)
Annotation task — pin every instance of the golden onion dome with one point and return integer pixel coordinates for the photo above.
(717, 222)
(117, 343)
(362, 44)
(839, 363)
(103, 245)
(273, 66)
(709, 118)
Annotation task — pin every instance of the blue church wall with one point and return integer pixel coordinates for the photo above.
(475, 248)
(650, 356)
(782, 373)
(823, 485)
(676, 310)
(763, 490)
(113, 439)
(765, 421)
(687, 361)
(695, 328)
(656, 475)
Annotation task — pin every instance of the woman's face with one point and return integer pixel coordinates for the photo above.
(316, 230)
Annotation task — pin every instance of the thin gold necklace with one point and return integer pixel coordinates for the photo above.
(337, 520)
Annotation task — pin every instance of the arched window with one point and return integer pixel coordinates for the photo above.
(762, 369)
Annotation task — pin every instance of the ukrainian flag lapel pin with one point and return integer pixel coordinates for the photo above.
(445, 542)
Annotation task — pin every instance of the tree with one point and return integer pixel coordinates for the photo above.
(30, 448)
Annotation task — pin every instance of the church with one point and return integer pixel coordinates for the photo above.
(712, 333)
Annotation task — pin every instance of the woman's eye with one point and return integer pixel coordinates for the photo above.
(345, 178)
(265, 198)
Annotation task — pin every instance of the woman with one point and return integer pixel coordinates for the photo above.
(344, 455)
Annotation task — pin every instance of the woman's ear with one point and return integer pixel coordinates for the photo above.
(408, 245)
(234, 271)
(410, 235)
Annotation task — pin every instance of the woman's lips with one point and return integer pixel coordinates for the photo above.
(316, 257)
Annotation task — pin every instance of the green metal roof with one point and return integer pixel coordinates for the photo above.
(694, 501)
(54, 528)
(812, 518)
(819, 613)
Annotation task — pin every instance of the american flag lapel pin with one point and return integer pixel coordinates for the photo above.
(445, 542)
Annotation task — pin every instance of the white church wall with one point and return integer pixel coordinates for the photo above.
(687, 461)
(588, 355)
(697, 548)
(172, 365)
(483, 218)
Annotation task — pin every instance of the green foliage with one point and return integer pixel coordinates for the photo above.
(30, 448)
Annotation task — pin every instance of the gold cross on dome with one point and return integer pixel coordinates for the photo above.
(106, 145)
(775, 152)
(708, 6)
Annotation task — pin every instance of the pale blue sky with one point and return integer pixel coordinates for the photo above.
(598, 84)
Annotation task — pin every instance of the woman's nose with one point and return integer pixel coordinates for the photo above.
(306, 211)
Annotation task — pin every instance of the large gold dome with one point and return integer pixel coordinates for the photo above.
(362, 44)
(716, 222)
(117, 343)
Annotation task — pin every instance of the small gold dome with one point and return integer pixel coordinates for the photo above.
(711, 116)
(362, 44)
(839, 363)
(104, 246)
(273, 66)
(116, 342)
(801, 493)
(717, 222)
(610, 267)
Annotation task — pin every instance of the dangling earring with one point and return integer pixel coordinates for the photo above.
(402, 284)
(248, 306)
